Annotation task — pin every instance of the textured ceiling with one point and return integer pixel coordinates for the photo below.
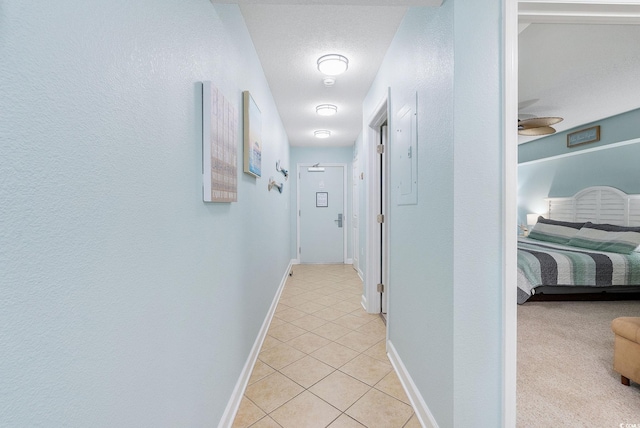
(290, 39)
(578, 59)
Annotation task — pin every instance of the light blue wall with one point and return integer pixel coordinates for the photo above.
(445, 301)
(322, 155)
(553, 170)
(124, 299)
(478, 213)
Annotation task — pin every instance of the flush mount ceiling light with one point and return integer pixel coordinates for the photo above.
(326, 109)
(322, 133)
(333, 64)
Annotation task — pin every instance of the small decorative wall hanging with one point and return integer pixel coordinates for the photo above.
(219, 147)
(584, 136)
(272, 184)
(252, 136)
(282, 171)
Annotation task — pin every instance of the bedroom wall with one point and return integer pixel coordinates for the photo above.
(447, 332)
(314, 155)
(549, 169)
(124, 299)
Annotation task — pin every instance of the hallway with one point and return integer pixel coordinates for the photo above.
(323, 362)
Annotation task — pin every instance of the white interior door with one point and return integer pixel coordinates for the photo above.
(321, 214)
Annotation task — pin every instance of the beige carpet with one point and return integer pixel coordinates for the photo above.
(565, 366)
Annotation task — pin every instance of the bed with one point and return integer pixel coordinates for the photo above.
(586, 248)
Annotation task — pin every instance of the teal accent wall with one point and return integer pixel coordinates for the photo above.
(320, 155)
(445, 302)
(553, 170)
(622, 127)
(125, 301)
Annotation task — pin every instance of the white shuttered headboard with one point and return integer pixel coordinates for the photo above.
(598, 204)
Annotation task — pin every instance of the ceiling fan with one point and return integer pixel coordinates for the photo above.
(537, 126)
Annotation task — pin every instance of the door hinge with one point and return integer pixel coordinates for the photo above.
(380, 149)
(299, 213)
(380, 288)
(380, 218)
(300, 249)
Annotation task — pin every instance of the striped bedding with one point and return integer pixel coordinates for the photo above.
(546, 263)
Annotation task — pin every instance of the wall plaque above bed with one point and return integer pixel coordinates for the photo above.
(584, 136)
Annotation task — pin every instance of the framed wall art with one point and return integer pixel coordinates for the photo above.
(584, 136)
(252, 136)
(219, 147)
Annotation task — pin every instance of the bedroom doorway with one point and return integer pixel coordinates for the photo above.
(596, 14)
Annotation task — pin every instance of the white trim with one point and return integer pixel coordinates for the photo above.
(423, 413)
(236, 397)
(345, 208)
(510, 214)
(348, 261)
(584, 151)
(579, 12)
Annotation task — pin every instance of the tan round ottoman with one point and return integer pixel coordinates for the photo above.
(626, 348)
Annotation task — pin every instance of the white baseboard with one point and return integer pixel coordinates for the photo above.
(363, 302)
(360, 274)
(348, 261)
(419, 406)
(236, 397)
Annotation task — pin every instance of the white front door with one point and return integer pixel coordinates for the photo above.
(321, 214)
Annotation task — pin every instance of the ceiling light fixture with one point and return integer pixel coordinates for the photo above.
(322, 133)
(326, 109)
(333, 64)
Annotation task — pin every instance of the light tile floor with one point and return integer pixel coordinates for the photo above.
(323, 362)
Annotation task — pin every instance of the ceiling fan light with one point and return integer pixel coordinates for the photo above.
(532, 132)
(322, 133)
(333, 64)
(536, 122)
(326, 109)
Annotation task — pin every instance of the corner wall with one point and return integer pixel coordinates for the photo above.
(446, 261)
(124, 299)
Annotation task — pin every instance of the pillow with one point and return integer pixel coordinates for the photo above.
(559, 232)
(607, 237)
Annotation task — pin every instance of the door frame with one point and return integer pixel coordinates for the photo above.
(345, 208)
(509, 212)
(371, 297)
